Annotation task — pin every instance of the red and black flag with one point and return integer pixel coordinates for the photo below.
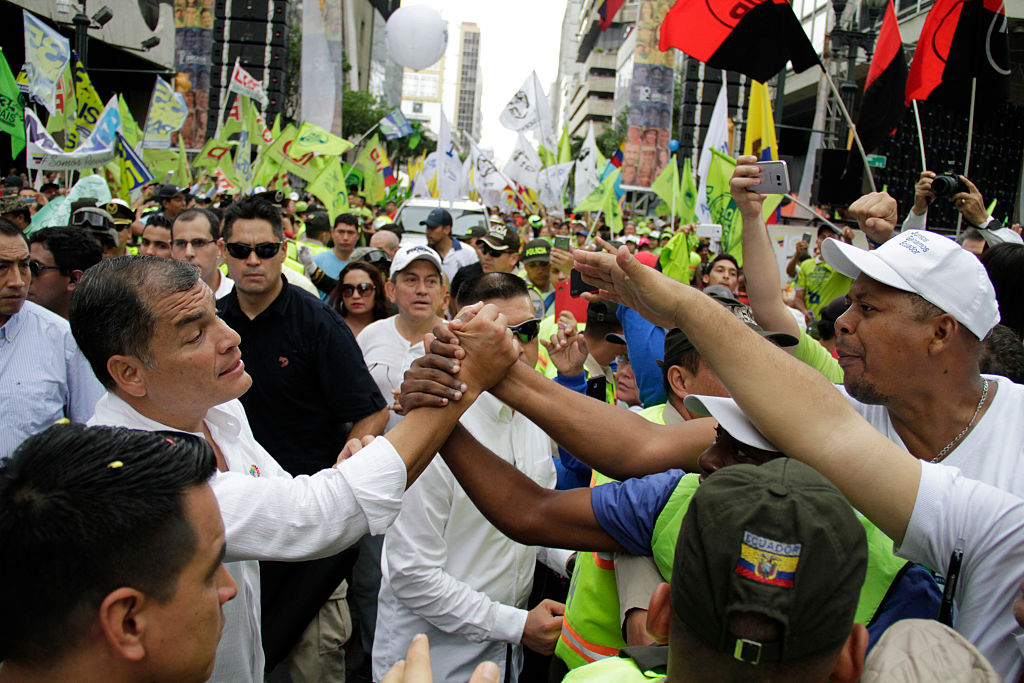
(882, 107)
(961, 40)
(753, 37)
(607, 12)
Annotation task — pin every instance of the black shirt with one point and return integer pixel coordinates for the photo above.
(309, 379)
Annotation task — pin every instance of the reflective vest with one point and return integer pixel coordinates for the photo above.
(548, 326)
(883, 566)
(614, 670)
(590, 628)
(655, 414)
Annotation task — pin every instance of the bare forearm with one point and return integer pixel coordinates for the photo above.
(763, 286)
(520, 508)
(371, 425)
(421, 433)
(603, 436)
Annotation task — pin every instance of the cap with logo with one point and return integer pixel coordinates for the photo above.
(13, 203)
(120, 212)
(537, 250)
(930, 265)
(501, 238)
(474, 232)
(776, 540)
(406, 255)
(166, 192)
(437, 217)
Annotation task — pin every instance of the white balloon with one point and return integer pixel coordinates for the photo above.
(416, 36)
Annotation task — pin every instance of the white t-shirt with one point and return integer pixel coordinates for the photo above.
(993, 452)
(988, 523)
(387, 355)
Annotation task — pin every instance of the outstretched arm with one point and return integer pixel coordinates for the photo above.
(520, 508)
(878, 478)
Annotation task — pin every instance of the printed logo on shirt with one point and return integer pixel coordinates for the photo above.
(767, 561)
(283, 361)
(254, 471)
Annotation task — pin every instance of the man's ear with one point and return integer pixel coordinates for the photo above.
(123, 622)
(850, 665)
(74, 276)
(389, 289)
(659, 613)
(679, 378)
(944, 330)
(128, 374)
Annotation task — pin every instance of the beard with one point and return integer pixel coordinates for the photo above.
(865, 391)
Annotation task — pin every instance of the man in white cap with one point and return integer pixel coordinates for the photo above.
(910, 343)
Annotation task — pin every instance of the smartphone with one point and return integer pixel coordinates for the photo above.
(774, 178)
(806, 237)
(576, 284)
(712, 231)
(562, 242)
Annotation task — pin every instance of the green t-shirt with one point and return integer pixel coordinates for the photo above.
(821, 284)
(817, 356)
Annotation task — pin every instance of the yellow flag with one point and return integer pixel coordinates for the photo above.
(329, 187)
(311, 138)
(760, 138)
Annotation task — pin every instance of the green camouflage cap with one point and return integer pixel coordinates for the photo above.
(13, 203)
(776, 540)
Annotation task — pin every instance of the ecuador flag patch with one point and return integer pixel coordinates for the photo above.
(767, 561)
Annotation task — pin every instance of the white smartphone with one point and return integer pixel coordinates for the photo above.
(774, 178)
(710, 230)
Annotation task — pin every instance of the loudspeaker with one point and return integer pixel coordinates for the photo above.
(830, 187)
(242, 31)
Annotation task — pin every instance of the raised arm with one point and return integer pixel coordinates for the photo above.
(878, 478)
(519, 507)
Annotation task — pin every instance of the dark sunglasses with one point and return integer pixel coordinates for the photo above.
(35, 267)
(527, 330)
(494, 253)
(362, 288)
(242, 251)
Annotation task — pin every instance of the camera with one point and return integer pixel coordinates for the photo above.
(948, 184)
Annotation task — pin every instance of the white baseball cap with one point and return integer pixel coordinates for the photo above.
(930, 265)
(730, 417)
(406, 255)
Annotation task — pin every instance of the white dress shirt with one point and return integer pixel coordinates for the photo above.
(448, 573)
(457, 257)
(43, 376)
(269, 515)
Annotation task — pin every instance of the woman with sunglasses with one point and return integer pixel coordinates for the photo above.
(359, 296)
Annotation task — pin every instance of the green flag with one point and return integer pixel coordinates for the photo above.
(12, 114)
(183, 172)
(666, 185)
(130, 130)
(686, 207)
(546, 157)
(329, 187)
(312, 138)
(723, 208)
(564, 146)
(604, 199)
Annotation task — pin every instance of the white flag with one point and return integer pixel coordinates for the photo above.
(552, 184)
(529, 109)
(524, 164)
(717, 137)
(449, 168)
(244, 84)
(421, 183)
(486, 176)
(46, 56)
(586, 168)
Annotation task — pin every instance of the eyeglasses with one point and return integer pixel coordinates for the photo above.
(197, 244)
(263, 250)
(487, 249)
(527, 330)
(363, 288)
(35, 267)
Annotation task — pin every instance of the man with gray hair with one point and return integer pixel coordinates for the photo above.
(149, 328)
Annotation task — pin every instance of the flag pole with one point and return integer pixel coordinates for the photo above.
(849, 121)
(970, 140)
(920, 136)
(815, 214)
(593, 226)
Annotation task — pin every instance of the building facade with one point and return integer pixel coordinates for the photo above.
(469, 86)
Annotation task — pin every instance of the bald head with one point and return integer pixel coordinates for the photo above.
(386, 240)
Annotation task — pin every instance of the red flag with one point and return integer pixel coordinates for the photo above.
(753, 37)
(607, 11)
(882, 108)
(961, 40)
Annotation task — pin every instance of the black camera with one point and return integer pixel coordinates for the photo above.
(948, 184)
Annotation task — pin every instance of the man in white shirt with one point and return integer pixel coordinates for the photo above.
(151, 333)
(447, 571)
(454, 254)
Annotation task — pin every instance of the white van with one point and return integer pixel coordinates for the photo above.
(466, 214)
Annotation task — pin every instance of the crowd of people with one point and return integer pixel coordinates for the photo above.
(246, 442)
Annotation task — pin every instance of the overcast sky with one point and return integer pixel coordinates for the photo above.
(515, 38)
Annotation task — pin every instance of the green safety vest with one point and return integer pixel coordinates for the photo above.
(590, 628)
(614, 670)
(883, 566)
(655, 414)
(292, 250)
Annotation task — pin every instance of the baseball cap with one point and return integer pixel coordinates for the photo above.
(535, 221)
(602, 312)
(475, 231)
(501, 238)
(318, 220)
(776, 540)
(930, 265)
(732, 419)
(13, 203)
(537, 250)
(165, 192)
(120, 212)
(437, 217)
(301, 206)
(406, 255)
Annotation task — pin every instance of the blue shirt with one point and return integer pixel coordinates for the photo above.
(330, 264)
(645, 343)
(43, 376)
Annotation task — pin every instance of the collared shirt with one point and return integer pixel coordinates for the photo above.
(458, 256)
(268, 515)
(43, 376)
(224, 287)
(448, 573)
(305, 364)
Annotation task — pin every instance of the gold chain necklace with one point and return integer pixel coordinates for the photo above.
(956, 439)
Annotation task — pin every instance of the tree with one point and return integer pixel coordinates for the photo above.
(612, 137)
(359, 112)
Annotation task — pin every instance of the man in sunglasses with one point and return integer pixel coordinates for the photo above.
(447, 571)
(59, 257)
(45, 377)
(499, 253)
